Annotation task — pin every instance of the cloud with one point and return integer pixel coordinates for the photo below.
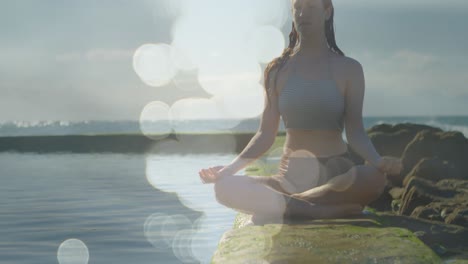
(412, 73)
(96, 55)
(412, 60)
(403, 3)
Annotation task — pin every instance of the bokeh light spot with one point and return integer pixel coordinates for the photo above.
(185, 111)
(242, 103)
(182, 246)
(154, 64)
(266, 43)
(223, 73)
(303, 169)
(73, 251)
(155, 121)
(173, 224)
(153, 230)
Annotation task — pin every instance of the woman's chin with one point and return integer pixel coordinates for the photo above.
(307, 29)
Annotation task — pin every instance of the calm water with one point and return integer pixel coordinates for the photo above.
(120, 208)
(109, 208)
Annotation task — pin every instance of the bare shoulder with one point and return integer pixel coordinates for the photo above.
(353, 67)
(354, 76)
(275, 74)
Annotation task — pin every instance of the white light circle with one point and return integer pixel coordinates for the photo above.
(243, 103)
(182, 246)
(270, 12)
(223, 73)
(266, 43)
(154, 64)
(73, 251)
(155, 122)
(153, 230)
(173, 224)
(203, 112)
(186, 80)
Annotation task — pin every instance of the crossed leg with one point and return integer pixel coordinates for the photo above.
(361, 184)
(343, 195)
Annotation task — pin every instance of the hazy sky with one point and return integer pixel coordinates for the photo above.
(72, 60)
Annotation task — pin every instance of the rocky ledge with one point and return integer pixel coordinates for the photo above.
(422, 216)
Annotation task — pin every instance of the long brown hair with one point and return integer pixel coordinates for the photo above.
(293, 37)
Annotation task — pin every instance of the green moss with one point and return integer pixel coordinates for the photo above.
(252, 168)
(367, 240)
(322, 244)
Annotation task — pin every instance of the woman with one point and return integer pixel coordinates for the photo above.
(318, 91)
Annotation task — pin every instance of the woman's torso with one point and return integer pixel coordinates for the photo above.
(299, 162)
(319, 142)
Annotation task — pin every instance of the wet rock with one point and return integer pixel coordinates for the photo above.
(461, 185)
(459, 216)
(446, 240)
(323, 241)
(450, 146)
(431, 206)
(421, 192)
(384, 202)
(396, 205)
(427, 212)
(391, 140)
(396, 192)
(434, 169)
(445, 201)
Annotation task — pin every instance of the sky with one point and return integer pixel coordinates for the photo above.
(85, 60)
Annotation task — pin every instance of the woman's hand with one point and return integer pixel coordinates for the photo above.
(212, 174)
(390, 165)
(301, 196)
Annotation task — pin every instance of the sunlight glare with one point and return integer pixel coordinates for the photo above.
(303, 169)
(153, 230)
(155, 121)
(154, 64)
(185, 111)
(186, 81)
(73, 251)
(243, 103)
(181, 246)
(269, 12)
(223, 73)
(173, 224)
(203, 228)
(266, 43)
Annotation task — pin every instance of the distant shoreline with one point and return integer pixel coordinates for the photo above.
(119, 143)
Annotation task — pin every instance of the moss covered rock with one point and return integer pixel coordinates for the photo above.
(322, 242)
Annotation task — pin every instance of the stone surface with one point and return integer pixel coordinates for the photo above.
(445, 201)
(322, 241)
(391, 140)
(422, 216)
(451, 146)
(446, 240)
(434, 169)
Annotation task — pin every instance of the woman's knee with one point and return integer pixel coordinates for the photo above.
(376, 181)
(223, 189)
(228, 188)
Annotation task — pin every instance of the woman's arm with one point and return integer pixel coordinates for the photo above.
(256, 147)
(354, 126)
(263, 139)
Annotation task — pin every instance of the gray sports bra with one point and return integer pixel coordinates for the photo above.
(311, 104)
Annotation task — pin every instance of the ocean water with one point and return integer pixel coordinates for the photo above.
(108, 208)
(119, 207)
(52, 128)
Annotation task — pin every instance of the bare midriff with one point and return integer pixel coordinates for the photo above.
(304, 147)
(318, 143)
